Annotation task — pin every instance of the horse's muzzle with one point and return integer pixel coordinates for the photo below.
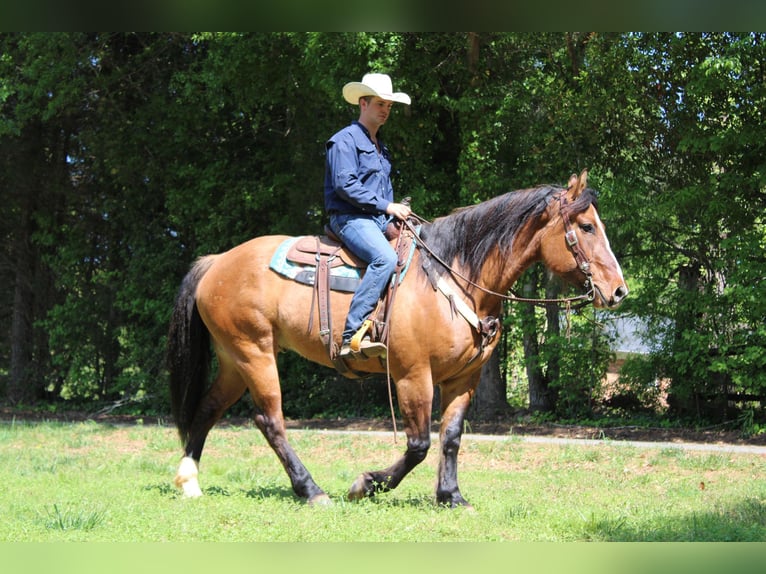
(613, 300)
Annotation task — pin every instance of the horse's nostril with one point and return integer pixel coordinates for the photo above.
(620, 293)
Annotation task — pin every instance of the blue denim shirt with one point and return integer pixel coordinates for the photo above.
(357, 176)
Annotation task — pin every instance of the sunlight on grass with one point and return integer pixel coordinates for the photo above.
(89, 482)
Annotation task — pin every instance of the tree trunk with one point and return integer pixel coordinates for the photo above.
(683, 395)
(490, 400)
(25, 376)
(540, 395)
(553, 288)
(20, 388)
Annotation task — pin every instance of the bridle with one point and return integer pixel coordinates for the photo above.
(572, 242)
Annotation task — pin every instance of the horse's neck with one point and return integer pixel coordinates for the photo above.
(501, 271)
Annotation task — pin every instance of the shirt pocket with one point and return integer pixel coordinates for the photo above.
(369, 163)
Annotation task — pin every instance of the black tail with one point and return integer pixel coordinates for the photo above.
(188, 352)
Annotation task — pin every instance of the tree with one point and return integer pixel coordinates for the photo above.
(700, 237)
(34, 136)
(127, 155)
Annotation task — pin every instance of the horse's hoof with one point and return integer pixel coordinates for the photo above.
(191, 490)
(320, 500)
(453, 502)
(358, 490)
(189, 487)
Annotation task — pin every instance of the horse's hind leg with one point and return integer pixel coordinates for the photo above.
(225, 391)
(267, 396)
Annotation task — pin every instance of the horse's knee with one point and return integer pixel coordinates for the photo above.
(270, 426)
(450, 444)
(417, 449)
(451, 435)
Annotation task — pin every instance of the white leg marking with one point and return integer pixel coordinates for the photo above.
(186, 478)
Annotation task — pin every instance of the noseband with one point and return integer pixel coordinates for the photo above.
(571, 238)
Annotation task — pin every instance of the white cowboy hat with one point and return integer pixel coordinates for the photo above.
(373, 85)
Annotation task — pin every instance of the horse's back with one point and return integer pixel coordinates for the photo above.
(256, 252)
(239, 283)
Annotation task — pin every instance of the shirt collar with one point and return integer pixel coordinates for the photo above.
(365, 131)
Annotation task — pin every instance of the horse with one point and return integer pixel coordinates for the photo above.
(234, 304)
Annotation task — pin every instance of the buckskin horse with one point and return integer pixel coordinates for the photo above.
(465, 264)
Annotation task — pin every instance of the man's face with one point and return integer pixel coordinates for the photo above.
(375, 112)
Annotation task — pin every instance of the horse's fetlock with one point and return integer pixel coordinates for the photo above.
(382, 484)
(450, 499)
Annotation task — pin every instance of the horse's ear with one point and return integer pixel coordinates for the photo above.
(577, 185)
(583, 180)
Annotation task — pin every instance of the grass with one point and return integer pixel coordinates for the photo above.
(74, 519)
(95, 482)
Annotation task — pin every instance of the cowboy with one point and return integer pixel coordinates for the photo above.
(359, 198)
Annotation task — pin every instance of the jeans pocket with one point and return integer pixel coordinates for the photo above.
(337, 223)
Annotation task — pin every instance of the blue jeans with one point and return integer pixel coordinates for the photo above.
(363, 235)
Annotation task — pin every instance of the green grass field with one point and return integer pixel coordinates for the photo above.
(95, 482)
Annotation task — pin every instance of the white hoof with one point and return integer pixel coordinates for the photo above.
(186, 478)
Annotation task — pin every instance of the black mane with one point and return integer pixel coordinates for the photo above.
(469, 234)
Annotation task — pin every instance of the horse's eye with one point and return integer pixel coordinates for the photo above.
(587, 227)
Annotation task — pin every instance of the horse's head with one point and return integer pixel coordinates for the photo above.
(576, 246)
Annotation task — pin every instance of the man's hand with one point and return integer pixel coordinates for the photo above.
(399, 210)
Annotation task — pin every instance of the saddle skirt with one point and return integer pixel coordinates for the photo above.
(296, 258)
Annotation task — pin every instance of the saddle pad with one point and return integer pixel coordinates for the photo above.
(304, 251)
(342, 277)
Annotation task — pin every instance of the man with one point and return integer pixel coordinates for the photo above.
(359, 198)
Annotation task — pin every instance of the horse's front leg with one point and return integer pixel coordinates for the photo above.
(415, 407)
(455, 400)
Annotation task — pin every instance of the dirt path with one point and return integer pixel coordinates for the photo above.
(687, 439)
(507, 428)
(714, 436)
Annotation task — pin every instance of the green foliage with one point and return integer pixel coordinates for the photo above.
(582, 356)
(309, 391)
(583, 365)
(127, 155)
(641, 381)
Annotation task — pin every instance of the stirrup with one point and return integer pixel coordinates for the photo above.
(356, 340)
(367, 350)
